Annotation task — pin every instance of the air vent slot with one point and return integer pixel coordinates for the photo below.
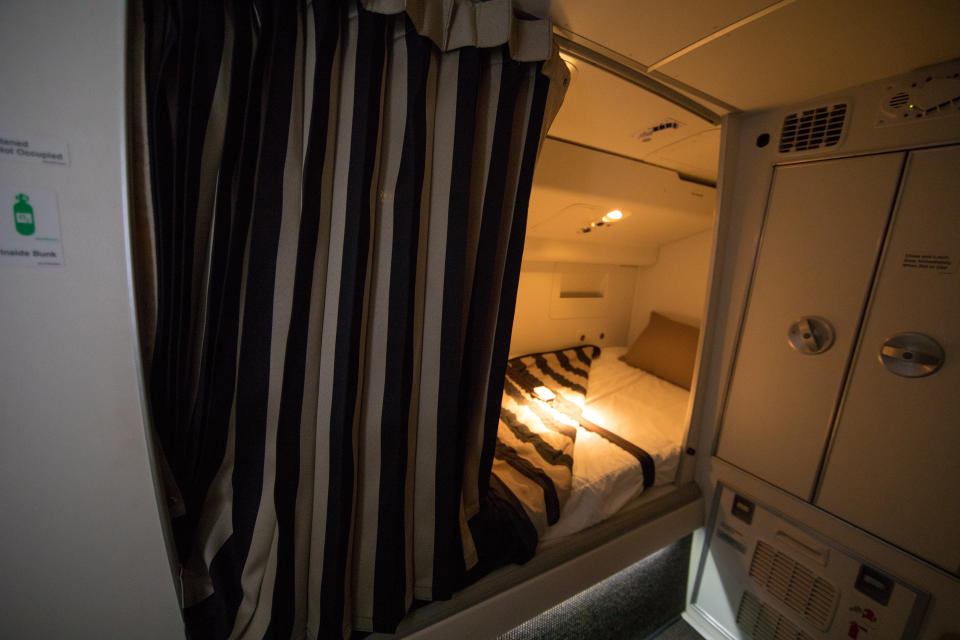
(899, 100)
(813, 128)
(927, 97)
(794, 585)
(760, 622)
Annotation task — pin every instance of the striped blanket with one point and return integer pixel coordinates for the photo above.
(533, 462)
(535, 438)
(532, 470)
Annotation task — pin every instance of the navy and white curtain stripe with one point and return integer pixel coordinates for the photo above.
(331, 209)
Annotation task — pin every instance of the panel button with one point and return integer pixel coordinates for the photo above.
(874, 584)
(742, 509)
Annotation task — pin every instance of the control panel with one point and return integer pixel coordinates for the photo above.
(764, 577)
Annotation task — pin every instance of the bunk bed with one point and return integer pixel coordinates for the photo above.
(584, 477)
(583, 430)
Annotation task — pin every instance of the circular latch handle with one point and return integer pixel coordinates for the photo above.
(911, 355)
(811, 335)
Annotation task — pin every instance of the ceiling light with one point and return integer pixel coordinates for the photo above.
(606, 221)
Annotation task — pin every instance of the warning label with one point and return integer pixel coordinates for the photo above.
(30, 228)
(34, 149)
(936, 262)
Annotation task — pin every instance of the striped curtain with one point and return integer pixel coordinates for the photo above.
(330, 203)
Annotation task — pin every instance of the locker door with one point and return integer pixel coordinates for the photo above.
(894, 465)
(823, 231)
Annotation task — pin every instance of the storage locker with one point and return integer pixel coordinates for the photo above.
(893, 467)
(824, 227)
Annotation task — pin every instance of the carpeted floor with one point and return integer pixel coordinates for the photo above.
(679, 630)
(634, 604)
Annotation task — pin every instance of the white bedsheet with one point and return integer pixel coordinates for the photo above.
(637, 406)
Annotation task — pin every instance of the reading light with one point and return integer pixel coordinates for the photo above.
(544, 393)
(605, 221)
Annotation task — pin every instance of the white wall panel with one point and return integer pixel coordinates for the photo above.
(676, 285)
(83, 555)
(538, 326)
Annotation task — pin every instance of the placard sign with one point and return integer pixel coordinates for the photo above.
(29, 227)
(44, 149)
(928, 261)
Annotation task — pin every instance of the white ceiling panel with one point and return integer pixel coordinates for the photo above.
(812, 47)
(604, 111)
(697, 155)
(573, 187)
(650, 31)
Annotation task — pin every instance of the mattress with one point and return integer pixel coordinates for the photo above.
(637, 406)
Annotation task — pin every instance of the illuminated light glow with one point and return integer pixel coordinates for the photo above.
(570, 61)
(544, 393)
(606, 221)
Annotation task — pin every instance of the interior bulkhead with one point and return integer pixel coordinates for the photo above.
(735, 320)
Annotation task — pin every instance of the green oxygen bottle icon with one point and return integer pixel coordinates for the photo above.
(23, 215)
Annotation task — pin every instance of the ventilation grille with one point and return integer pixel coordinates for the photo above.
(899, 100)
(794, 585)
(813, 128)
(645, 135)
(760, 622)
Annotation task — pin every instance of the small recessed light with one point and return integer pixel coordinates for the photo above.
(606, 221)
